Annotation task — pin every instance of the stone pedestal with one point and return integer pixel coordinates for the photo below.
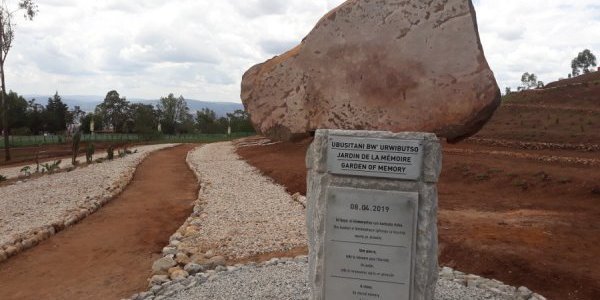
(372, 215)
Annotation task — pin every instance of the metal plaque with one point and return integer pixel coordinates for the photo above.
(369, 241)
(370, 157)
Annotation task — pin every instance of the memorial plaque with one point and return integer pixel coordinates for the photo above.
(369, 242)
(371, 199)
(372, 157)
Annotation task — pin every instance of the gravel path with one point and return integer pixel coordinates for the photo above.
(44, 201)
(243, 212)
(286, 279)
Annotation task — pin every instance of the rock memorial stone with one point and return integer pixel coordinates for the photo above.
(372, 215)
(378, 65)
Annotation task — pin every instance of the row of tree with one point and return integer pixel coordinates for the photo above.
(172, 116)
(116, 114)
(28, 117)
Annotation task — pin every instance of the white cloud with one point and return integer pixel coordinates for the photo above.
(539, 36)
(201, 48)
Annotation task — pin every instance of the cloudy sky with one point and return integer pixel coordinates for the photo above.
(200, 48)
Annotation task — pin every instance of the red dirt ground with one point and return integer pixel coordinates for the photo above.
(520, 221)
(520, 202)
(109, 254)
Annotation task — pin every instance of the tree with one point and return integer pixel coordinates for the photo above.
(35, 117)
(540, 84)
(77, 114)
(145, 118)
(174, 114)
(7, 36)
(86, 121)
(206, 121)
(17, 110)
(240, 121)
(583, 62)
(57, 115)
(114, 111)
(187, 124)
(530, 81)
(508, 90)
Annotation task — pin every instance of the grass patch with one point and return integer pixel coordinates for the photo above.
(565, 180)
(521, 183)
(482, 177)
(495, 171)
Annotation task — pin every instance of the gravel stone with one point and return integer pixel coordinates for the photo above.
(156, 280)
(289, 281)
(157, 287)
(178, 274)
(182, 258)
(243, 212)
(169, 250)
(537, 297)
(220, 269)
(162, 265)
(272, 282)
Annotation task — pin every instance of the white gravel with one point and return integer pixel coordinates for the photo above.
(289, 281)
(244, 213)
(49, 199)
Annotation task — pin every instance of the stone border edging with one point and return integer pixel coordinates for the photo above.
(178, 262)
(165, 288)
(492, 285)
(175, 263)
(32, 238)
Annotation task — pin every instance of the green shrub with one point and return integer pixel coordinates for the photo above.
(564, 180)
(75, 147)
(51, 167)
(483, 177)
(26, 171)
(521, 183)
(37, 161)
(89, 153)
(110, 152)
(494, 171)
(2, 178)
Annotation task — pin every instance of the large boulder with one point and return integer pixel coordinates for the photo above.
(378, 65)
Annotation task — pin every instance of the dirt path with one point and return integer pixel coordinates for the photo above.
(109, 254)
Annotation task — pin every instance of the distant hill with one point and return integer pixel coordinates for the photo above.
(89, 103)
